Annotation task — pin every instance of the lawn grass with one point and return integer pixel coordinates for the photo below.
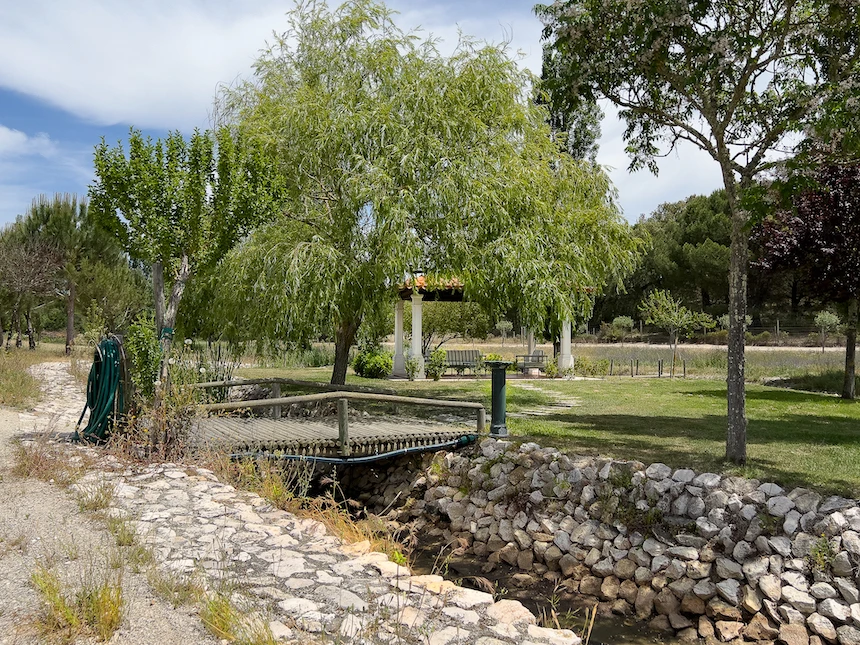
(794, 438)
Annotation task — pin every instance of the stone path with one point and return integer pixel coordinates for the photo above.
(308, 585)
(561, 402)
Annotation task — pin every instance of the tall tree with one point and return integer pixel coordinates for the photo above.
(819, 231)
(178, 205)
(734, 78)
(401, 161)
(29, 271)
(64, 222)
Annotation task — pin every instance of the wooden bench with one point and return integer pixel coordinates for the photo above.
(462, 359)
(526, 362)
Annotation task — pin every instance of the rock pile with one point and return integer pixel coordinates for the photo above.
(695, 553)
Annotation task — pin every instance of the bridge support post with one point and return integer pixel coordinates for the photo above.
(276, 394)
(343, 427)
(417, 329)
(399, 355)
(499, 412)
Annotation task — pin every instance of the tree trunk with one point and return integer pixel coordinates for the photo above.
(18, 328)
(343, 341)
(158, 295)
(850, 380)
(31, 341)
(736, 436)
(70, 318)
(170, 315)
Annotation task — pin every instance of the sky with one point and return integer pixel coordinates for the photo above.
(74, 72)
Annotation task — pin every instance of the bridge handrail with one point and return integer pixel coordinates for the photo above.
(289, 381)
(355, 396)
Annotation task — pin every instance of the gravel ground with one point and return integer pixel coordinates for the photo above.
(40, 525)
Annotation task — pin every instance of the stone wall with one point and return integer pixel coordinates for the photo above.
(697, 553)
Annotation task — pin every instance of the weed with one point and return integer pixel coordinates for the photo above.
(43, 460)
(177, 589)
(768, 523)
(226, 621)
(95, 497)
(138, 556)
(821, 555)
(398, 558)
(96, 608)
(121, 530)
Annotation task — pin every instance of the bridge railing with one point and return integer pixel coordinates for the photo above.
(342, 397)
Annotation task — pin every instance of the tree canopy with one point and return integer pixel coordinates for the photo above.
(734, 78)
(179, 205)
(399, 161)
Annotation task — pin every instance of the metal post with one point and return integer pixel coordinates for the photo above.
(637, 367)
(276, 394)
(611, 365)
(498, 413)
(684, 363)
(343, 427)
(631, 369)
(660, 368)
(777, 333)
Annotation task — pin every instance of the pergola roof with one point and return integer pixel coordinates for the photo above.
(442, 289)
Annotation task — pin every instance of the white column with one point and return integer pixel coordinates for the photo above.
(399, 356)
(531, 342)
(565, 360)
(417, 311)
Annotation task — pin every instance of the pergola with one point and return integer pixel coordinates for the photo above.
(451, 290)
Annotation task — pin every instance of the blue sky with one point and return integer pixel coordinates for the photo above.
(71, 73)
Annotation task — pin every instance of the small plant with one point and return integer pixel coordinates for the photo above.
(176, 588)
(41, 459)
(228, 622)
(144, 355)
(373, 363)
(121, 530)
(436, 365)
(768, 523)
(398, 558)
(95, 497)
(551, 369)
(96, 608)
(821, 554)
(411, 368)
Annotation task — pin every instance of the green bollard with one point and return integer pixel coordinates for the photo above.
(497, 423)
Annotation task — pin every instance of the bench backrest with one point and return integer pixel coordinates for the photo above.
(460, 356)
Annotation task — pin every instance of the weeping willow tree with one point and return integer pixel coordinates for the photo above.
(399, 161)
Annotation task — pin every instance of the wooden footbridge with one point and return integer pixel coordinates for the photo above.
(339, 438)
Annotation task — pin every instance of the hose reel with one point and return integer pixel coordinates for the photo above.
(106, 391)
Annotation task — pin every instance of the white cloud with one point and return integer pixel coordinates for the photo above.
(158, 64)
(14, 143)
(154, 64)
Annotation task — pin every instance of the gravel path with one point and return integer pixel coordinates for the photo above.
(277, 569)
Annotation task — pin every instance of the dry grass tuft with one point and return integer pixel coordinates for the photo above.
(95, 497)
(176, 588)
(46, 460)
(226, 621)
(96, 608)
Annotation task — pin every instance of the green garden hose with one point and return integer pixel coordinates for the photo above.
(105, 396)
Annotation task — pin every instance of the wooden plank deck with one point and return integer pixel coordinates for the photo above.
(319, 437)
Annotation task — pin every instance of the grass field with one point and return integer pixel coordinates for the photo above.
(794, 438)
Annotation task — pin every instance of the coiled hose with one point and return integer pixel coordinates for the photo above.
(105, 396)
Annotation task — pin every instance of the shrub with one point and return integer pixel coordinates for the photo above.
(585, 366)
(551, 368)
(718, 337)
(762, 338)
(436, 365)
(144, 355)
(373, 363)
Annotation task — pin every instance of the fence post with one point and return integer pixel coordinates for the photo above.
(778, 342)
(659, 368)
(343, 427)
(637, 367)
(611, 365)
(684, 363)
(631, 369)
(276, 394)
